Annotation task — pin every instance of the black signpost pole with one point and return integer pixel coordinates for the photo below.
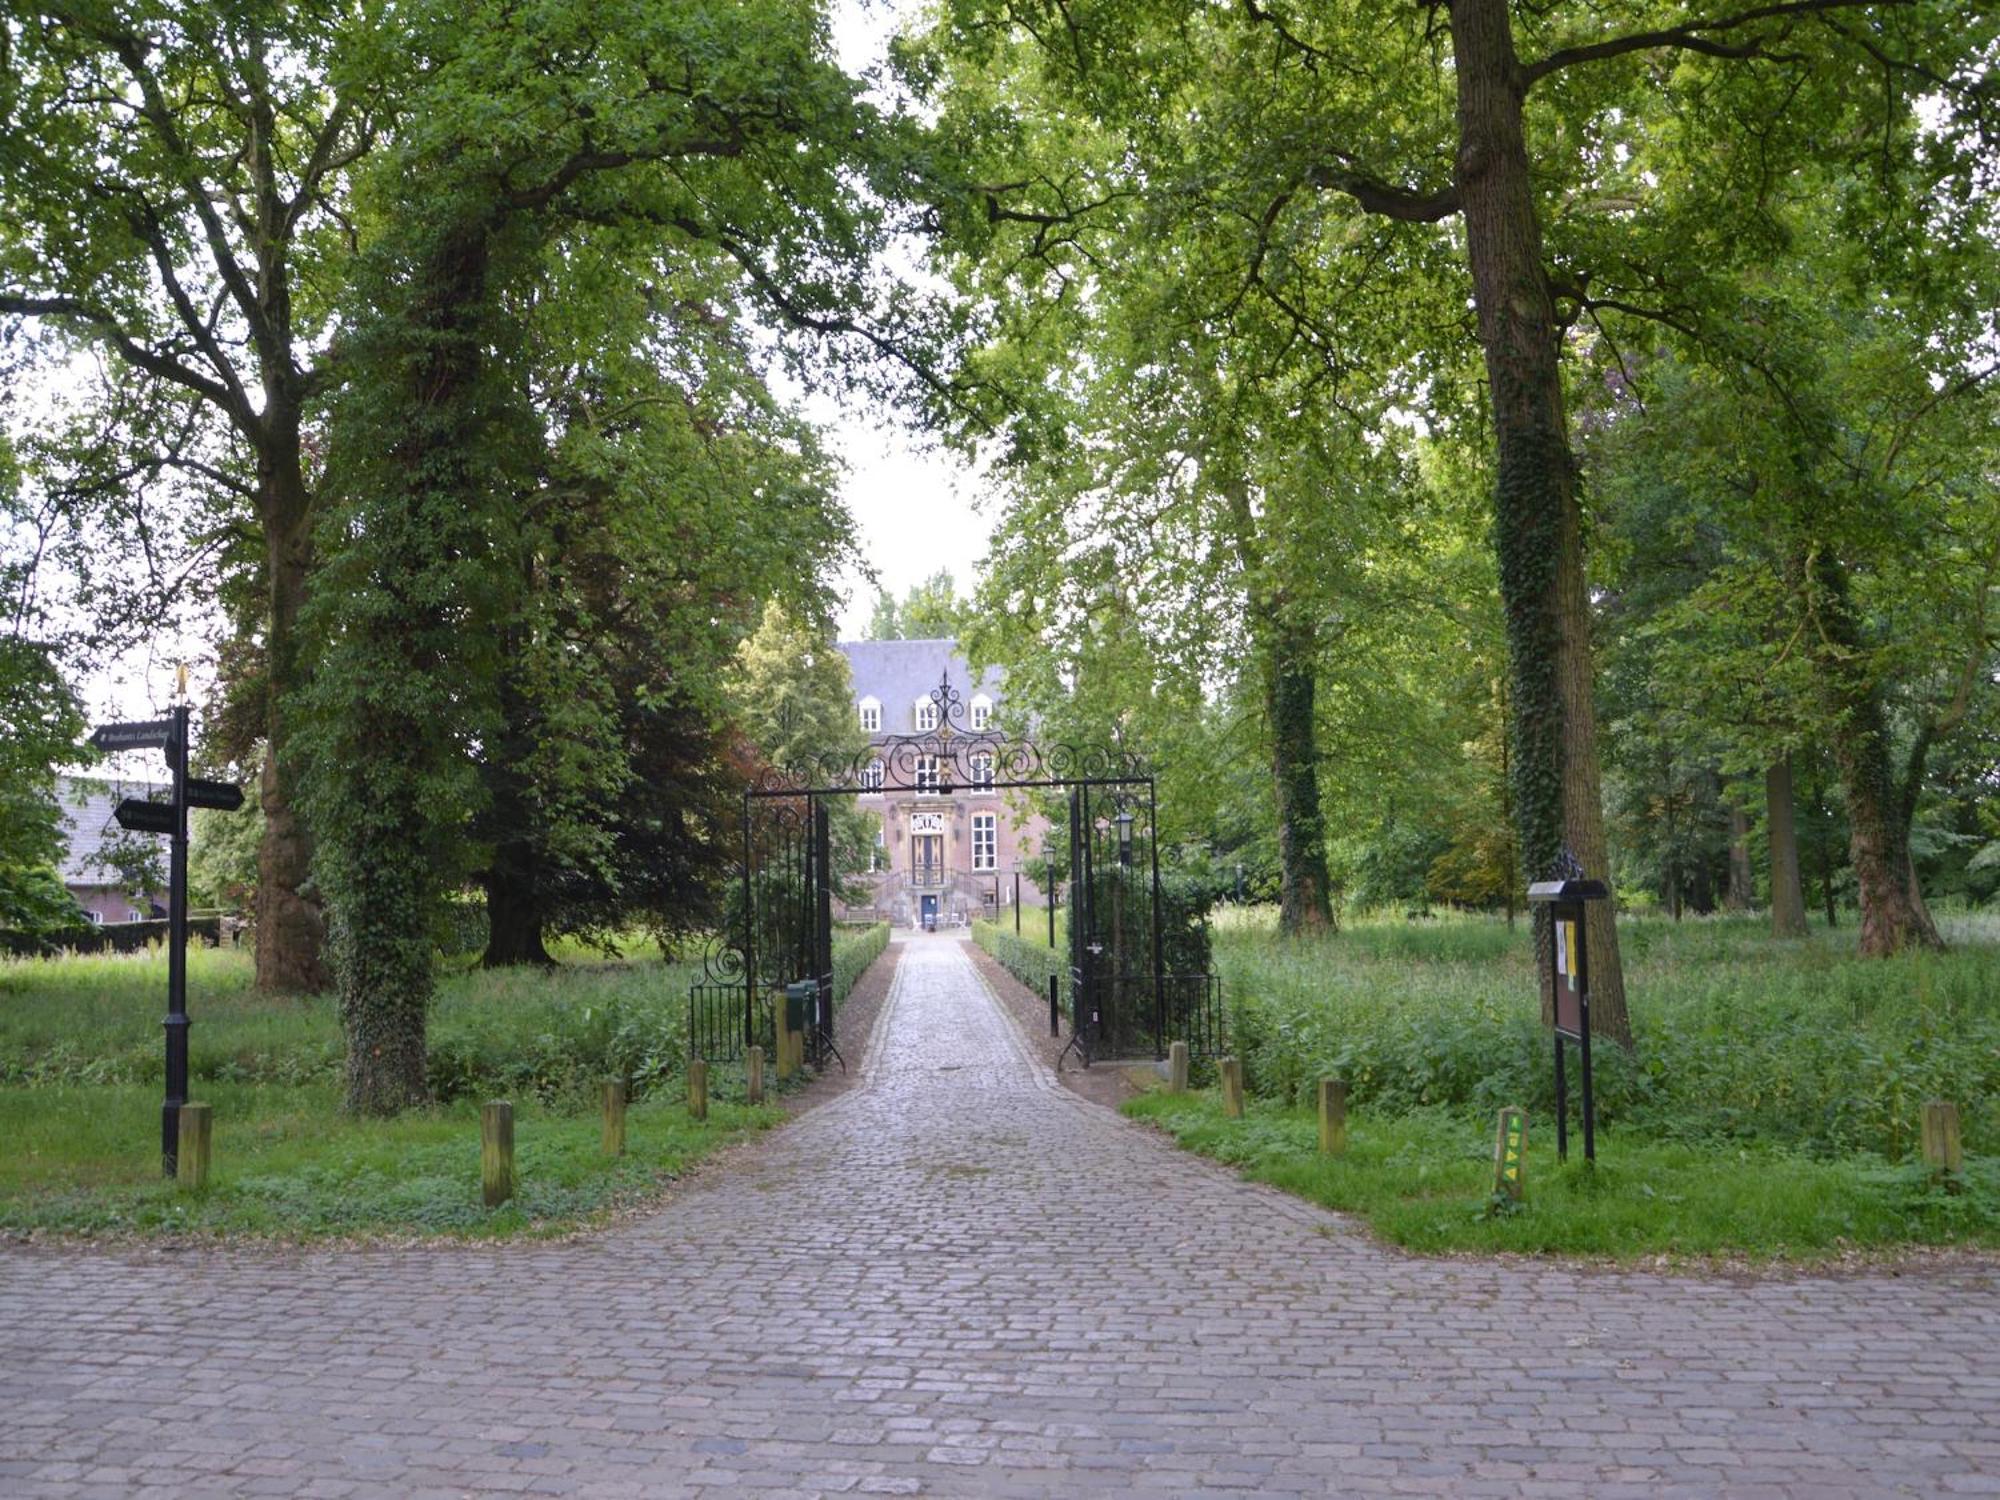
(177, 1016)
(140, 815)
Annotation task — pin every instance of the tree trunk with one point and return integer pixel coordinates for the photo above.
(1878, 815)
(1823, 847)
(513, 880)
(427, 494)
(514, 924)
(1788, 897)
(1290, 685)
(1287, 661)
(291, 929)
(1741, 895)
(1539, 528)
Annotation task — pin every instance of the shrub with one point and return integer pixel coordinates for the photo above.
(1801, 1045)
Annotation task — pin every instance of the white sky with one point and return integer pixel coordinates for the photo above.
(914, 507)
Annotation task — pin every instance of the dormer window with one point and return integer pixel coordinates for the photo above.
(927, 715)
(871, 715)
(982, 711)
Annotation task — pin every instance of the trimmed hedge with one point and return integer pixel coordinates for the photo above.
(1030, 962)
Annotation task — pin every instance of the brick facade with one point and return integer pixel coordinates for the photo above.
(950, 854)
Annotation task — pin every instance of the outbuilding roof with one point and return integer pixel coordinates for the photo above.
(88, 827)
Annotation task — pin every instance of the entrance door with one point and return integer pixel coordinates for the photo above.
(927, 854)
(930, 914)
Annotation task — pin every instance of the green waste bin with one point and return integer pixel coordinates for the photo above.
(801, 1000)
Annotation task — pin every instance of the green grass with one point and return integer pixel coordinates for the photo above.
(1741, 1040)
(287, 1163)
(1423, 1180)
(81, 1070)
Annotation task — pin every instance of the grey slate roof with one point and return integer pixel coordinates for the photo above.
(898, 673)
(88, 827)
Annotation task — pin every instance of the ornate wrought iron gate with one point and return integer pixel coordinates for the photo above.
(1126, 997)
(777, 943)
(777, 950)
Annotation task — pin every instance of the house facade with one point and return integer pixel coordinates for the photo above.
(91, 836)
(949, 844)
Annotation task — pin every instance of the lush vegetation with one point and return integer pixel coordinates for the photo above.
(1424, 1180)
(81, 1067)
(1514, 438)
(289, 1165)
(1805, 1046)
(1771, 1107)
(1029, 958)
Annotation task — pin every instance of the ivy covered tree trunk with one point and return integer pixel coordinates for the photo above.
(1290, 684)
(1788, 896)
(291, 929)
(1539, 529)
(1287, 657)
(404, 628)
(1893, 916)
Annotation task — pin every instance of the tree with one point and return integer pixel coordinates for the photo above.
(931, 610)
(607, 791)
(1837, 465)
(40, 724)
(733, 142)
(178, 190)
(1419, 115)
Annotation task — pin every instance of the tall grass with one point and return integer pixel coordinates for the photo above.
(1737, 1037)
(95, 1020)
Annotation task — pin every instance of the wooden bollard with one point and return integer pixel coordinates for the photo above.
(1177, 1068)
(786, 1067)
(1941, 1148)
(698, 1089)
(1332, 1116)
(191, 1163)
(1510, 1154)
(754, 1068)
(1232, 1087)
(496, 1152)
(612, 1095)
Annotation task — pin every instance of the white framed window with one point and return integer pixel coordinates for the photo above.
(982, 711)
(927, 775)
(985, 841)
(980, 766)
(95, 918)
(926, 715)
(872, 775)
(871, 715)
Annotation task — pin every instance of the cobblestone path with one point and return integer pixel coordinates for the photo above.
(960, 1280)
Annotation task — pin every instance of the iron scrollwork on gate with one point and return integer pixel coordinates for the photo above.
(1123, 1000)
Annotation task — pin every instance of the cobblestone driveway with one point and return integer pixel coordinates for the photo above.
(960, 1280)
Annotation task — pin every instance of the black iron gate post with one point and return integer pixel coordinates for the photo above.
(749, 921)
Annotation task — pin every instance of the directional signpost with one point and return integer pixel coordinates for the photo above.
(170, 818)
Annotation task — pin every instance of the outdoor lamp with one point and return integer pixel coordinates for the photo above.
(1124, 821)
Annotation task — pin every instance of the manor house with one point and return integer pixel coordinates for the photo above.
(947, 849)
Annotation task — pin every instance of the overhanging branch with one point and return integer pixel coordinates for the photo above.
(1695, 36)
